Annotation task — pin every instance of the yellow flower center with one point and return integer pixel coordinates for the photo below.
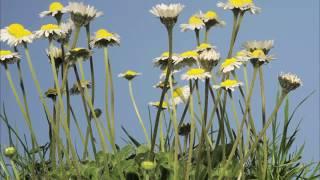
(229, 83)
(18, 31)
(164, 104)
(177, 92)
(189, 54)
(103, 33)
(55, 6)
(240, 3)
(228, 62)
(5, 52)
(204, 46)
(165, 54)
(211, 15)
(257, 53)
(195, 71)
(49, 27)
(194, 20)
(130, 73)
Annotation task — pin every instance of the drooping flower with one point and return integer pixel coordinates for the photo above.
(55, 9)
(229, 65)
(8, 57)
(289, 81)
(180, 95)
(129, 74)
(168, 14)
(78, 53)
(51, 31)
(15, 34)
(195, 74)
(209, 58)
(163, 60)
(228, 85)
(187, 59)
(157, 105)
(240, 5)
(56, 55)
(195, 23)
(82, 14)
(210, 19)
(76, 89)
(104, 38)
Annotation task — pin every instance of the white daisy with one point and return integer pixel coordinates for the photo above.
(204, 46)
(228, 85)
(211, 18)
(195, 23)
(195, 74)
(266, 45)
(187, 58)
(74, 54)
(51, 31)
(67, 27)
(16, 34)
(163, 60)
(55, 9)
(209, 58)
(258, 57)
(8, 57)
(243, 56)
(242, 5)
(168, 14)
(56, 54)
(230, 65)
(180, 95)
(83, 84)
(129, 74)
(104, 38)
(82, 14)
(289, 81)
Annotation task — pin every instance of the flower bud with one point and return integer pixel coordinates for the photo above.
(10, 151)
(148, 165)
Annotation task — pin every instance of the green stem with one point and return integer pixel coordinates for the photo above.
(197, 36)
(15, 170)
(76, 36)
(265, 143)
(206, 35)
(137, 112)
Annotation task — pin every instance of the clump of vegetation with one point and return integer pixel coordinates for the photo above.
(210, 137)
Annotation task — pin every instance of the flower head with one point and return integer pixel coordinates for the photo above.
(78, 53)
(265, 46)
(52, 93)
(129, 74)
(210, 19)
(55, 54)
(209, 58)
(243, 56)
(51, 31)
(8, 57)
(161, 85)
(157, 105)
(16, 34)
(67, 27)
(168, 14)
(82, 14)
(180, 95)
(187, 58)
(289, 81)
(104, 38)
(55, 9)
(228, 85)
(240, 5)
(204, 46)
(230, 65)
(195, 74)
(10, 151)
(148, 165)
(195, 23)
(76, 89)
(163, 60)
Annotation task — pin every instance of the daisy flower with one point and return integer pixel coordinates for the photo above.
(209, 58)
(50, 31)
(168, 14)
(8, 57)
(157, 105)
(228, 85)
(243, 56)
(230, 65)
(289, 81)
(161, 85)
(195, 74)
(75, 53)
(266, 45)
(240, 5)
(67, 27)
(55, 9)
(164, 73)
(129, 74)
(83, 84)
(180, 95)
(16, 34)
(195, 23)
(82, 14)
(187, 58)
(210, 19)
(204, 46)
(258, 57)
(163, 60)
(104, 38)
(56, 54)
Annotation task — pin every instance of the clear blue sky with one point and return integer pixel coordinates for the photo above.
(293, 24)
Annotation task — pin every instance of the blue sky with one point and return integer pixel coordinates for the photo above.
(293, 24)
